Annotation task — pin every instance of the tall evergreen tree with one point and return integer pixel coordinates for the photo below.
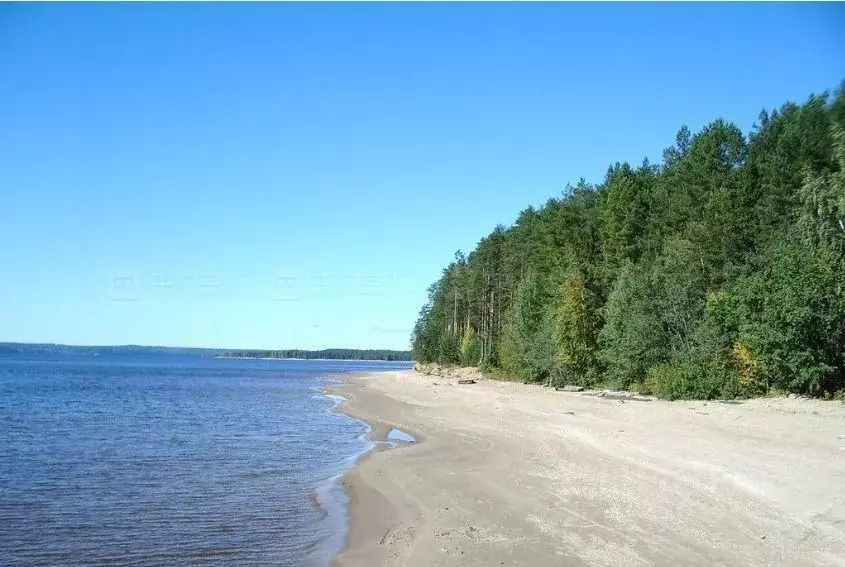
(715, 272)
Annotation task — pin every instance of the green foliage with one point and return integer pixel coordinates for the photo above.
(689, 379)
(716, 273)
(470, 349)
(678, 293)
(449, 349)
(795, 315)
(526, 350)
(632, 339)
(575, 323)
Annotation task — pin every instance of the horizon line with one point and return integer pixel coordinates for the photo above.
(132, 345)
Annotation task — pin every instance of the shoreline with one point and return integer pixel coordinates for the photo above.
(331, 496)
(511, 474)
(410, 362)
(361, 528)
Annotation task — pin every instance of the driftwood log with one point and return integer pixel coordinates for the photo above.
(569, 389)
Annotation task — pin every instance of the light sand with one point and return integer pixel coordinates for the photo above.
(504, 474)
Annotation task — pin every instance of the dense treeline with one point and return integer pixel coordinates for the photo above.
(327, 354)
(718, 272)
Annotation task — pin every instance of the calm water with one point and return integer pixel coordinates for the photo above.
(172, 460)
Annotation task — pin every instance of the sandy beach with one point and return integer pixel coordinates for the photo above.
(510, 474)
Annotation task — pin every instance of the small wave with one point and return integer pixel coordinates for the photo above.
(331, 498)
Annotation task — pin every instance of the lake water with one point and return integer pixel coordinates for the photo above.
(172, 460)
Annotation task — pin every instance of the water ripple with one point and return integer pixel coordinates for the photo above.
(171, 460)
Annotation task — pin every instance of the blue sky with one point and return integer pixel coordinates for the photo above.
(281, 175)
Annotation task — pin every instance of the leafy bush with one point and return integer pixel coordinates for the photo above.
(690, 380)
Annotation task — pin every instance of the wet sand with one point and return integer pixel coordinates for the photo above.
(508, 474)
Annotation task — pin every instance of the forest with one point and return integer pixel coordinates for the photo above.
(717, 273)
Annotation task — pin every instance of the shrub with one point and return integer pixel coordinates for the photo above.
(690, 380)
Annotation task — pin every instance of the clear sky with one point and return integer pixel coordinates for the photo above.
(280, 175)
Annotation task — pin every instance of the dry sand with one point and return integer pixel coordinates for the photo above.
(508, 474)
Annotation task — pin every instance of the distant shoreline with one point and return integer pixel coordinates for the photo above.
(347, 354)
(317, 359)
